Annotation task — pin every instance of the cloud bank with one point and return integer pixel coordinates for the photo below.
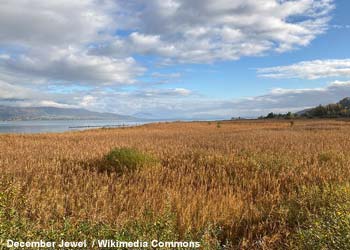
(175, 104)
(309, 70)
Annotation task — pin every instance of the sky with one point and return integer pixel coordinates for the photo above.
(175, 59)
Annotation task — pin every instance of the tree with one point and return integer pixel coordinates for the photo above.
(270, 115)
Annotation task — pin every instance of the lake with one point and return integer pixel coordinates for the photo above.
(60, 125)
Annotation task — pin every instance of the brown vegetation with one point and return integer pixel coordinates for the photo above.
(253, 181)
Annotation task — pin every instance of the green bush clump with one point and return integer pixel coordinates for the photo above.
(325, 157)
(126, 160)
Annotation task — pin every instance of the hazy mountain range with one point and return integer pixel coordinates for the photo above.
(51, 113)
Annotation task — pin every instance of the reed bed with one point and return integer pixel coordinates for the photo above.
(239, 185)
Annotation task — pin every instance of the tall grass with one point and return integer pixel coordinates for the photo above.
(247, 185)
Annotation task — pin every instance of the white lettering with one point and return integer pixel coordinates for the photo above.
(28, 244)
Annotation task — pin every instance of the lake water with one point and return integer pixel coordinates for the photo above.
(59, 125)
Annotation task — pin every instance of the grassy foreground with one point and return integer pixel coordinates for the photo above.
(233, 185)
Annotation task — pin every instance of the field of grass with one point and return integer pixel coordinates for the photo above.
(233, 185)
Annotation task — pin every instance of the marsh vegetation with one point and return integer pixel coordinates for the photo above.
(248, 185)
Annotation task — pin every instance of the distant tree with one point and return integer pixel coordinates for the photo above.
(270, 115)
(335, 110)
(289, 115)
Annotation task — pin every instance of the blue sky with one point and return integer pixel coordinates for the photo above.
(175, 59)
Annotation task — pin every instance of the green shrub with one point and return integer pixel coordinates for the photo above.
(325, 157)
(125, 160)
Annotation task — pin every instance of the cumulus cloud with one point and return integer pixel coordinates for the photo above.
(11, 92)
(95, 41)
(70, 66)
(309, 70)
(13, 95)
(52, 23)
(203, 31)
(48, 41)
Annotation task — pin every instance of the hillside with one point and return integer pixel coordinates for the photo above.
(334, 110)
(340, 109)
(52, 113)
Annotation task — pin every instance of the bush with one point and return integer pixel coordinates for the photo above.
(325, 157)
(124, 160)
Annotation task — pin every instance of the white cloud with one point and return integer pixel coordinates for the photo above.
(283, 100)
(182, 91)
(97, 99)
(12, 92)
(48, 41)
(88, 101)
(203, 31)
(52, 23)
(277, 100)
(70, 66)
(14, 95)
(161, 93)
(309, 70)
(48, 103)
(75, 41)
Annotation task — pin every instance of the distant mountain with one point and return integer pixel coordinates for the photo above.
(166, 116)
(144, 115)
(52, 113)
